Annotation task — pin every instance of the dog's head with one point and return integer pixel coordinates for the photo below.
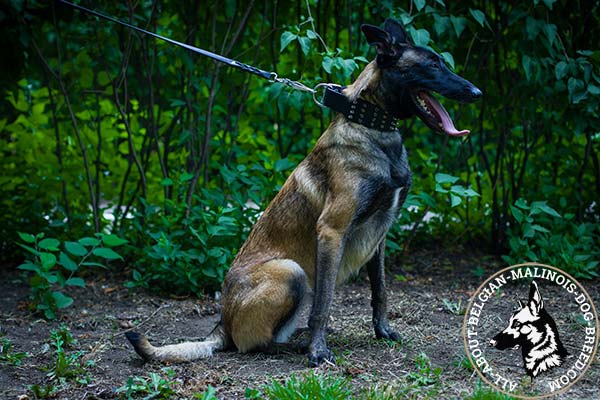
(525, 326)
(409, 72)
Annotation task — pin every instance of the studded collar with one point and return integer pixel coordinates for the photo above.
(359, 111)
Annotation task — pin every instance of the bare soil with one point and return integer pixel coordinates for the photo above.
(426, 306)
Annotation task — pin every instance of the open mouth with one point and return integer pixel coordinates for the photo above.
(434, 114)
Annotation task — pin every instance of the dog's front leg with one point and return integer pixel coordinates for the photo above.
(329, 253)
(376, 270)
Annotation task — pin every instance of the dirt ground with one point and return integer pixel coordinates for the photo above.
(427, 295)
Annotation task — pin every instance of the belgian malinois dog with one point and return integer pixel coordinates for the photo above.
(333, 212)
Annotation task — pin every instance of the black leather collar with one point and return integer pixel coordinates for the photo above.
(359, 111)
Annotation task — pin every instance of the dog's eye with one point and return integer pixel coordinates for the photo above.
(516, 325)
(435, 63)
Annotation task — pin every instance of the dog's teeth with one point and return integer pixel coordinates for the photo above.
(423, 105)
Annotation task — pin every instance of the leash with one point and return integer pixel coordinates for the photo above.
(358, 111)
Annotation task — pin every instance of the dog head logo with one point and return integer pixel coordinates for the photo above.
(524, 354)
(534, 331)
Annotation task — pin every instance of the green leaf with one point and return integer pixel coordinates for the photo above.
(542, 206)
(136, 275)
(76, 249)
(283, 165)
(48, 260)
(576, 89)
(478, 15)
(66, 262)
(209, 272)
(177, 103)
(286, 39)
(62, 301)
(455, 200)
(89, 241)
(419, 4)
(75, 282)
(26, 237)
(349, 66)
(448, 58)
(311, 34)
(113, 240)
(459, 24)
(440, 189)
(528, 231)
(527, 66)
(532, 26)
(539, 228)
(594, 90)
(420, 37)
(445, 178)
(327, 64)
(50, 277)
(29, 249)
(106, 253)
(561, 69)
(186, 176)
(522, 204)
(441, 24)
(550, 32)
(471, 193)
(517, 214)
(304, 44)
(93, 264)
(29, 267)
(167, 182)
(49, 244)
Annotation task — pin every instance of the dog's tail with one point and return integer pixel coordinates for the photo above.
(187, 351)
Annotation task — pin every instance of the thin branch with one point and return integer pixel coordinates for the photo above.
(82, 148)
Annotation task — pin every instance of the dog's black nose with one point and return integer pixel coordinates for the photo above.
(476, 93)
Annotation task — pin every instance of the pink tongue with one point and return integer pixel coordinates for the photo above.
(447, 124)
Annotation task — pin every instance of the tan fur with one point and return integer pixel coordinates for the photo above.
(256, 303)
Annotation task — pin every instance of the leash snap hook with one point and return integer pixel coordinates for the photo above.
(325, 87)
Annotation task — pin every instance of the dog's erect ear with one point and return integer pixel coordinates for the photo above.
(536, 303)
(389, 41)
(397, 32)
(377, 37)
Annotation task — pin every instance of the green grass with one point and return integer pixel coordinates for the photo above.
(8, 356)
(309, 386)
(483, 392)
(422, 383)
(153, 387)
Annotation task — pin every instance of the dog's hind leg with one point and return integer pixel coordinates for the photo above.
(270, 308)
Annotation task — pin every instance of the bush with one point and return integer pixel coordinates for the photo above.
(541, 234)
(189, 249)
(52, 270)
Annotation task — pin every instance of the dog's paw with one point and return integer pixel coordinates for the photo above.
(320, 356)
(386, 332)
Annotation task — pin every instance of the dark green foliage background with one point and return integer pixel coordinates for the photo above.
(105, 130)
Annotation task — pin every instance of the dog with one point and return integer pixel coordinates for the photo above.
(333, 212)
(533, 330)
